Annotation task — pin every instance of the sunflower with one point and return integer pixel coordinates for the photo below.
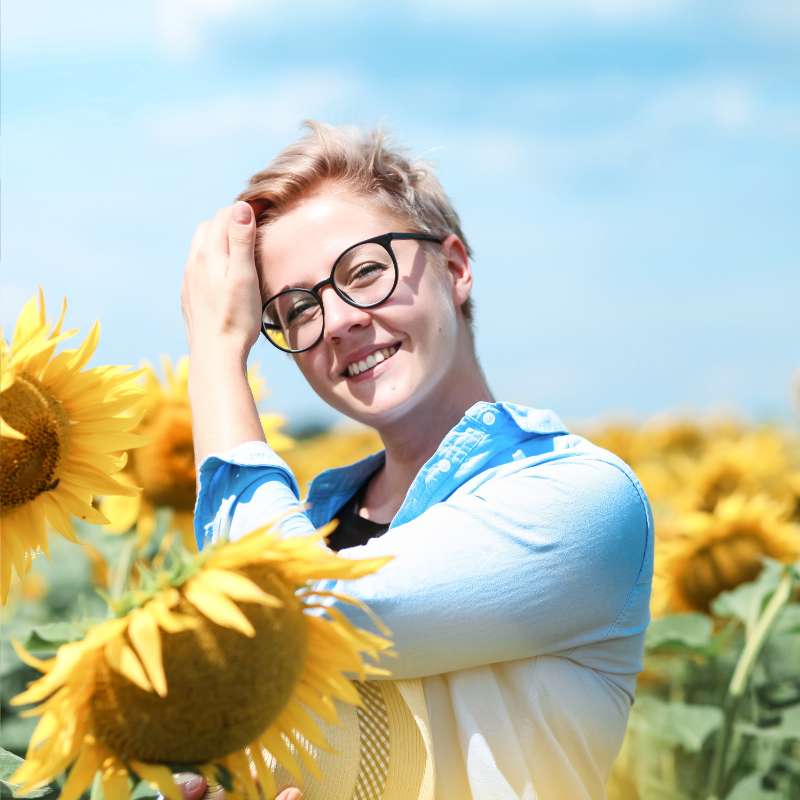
(213, 666)
(164, 468)
(701, 553)
(64, 432)
(757, 462)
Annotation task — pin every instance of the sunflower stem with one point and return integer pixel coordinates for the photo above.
(754, 643)
(123, 569)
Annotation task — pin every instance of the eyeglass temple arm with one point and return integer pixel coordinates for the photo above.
(425, 237)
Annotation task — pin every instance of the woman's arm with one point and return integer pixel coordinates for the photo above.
(221, 302)
(554, 559)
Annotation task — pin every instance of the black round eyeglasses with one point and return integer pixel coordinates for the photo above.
(364, 276)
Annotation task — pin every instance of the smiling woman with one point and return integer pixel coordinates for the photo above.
(522, 554)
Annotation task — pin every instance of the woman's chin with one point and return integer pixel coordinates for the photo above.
(384, 406)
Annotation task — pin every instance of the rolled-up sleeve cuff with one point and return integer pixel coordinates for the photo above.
(227, 506)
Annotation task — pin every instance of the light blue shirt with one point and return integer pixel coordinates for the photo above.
(516, 539)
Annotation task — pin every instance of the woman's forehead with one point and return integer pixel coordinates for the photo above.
(299, 247)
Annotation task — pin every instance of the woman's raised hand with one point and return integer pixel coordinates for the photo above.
(221, 296)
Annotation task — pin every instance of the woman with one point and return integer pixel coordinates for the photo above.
(518, 596)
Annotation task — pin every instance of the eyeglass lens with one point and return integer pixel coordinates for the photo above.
(364, 276)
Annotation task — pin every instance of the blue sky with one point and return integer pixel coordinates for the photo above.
(626, 171)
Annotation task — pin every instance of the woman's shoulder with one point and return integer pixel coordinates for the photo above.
(525, 441)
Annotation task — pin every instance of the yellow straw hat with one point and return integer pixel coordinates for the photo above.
(381, 751)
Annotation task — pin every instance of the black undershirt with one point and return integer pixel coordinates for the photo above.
(353, 529)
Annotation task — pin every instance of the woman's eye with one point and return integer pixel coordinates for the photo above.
(300, 313)
(363, 271)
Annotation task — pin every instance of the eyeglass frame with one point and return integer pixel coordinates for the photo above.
(384, 240)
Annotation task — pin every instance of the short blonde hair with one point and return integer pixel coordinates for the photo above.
(364, 162)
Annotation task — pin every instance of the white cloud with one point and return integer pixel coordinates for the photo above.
(776, 17)
(726, 104)
(275, 111)
(181, 24)
(183, 28)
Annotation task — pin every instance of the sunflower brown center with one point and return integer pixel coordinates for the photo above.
(224, 689)
(722, 566)
(720, 484)
(28, 467)
(165, 468)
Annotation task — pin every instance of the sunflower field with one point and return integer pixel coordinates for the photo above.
(104, 597)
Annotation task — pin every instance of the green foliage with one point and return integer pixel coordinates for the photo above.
(684, 711)
(674, 724)
(679, 633)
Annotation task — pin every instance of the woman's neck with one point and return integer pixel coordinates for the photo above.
(409, 443)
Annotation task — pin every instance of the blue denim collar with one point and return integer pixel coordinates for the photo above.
(485, 430)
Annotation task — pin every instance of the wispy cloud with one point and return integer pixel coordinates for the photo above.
(181, 25)
(184, 28)
(547, 12)
(779, 18)
(50, 28)
(276, 110)
(646, 117)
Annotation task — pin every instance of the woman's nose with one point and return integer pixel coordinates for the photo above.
(341, 317)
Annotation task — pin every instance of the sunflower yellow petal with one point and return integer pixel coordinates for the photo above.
(276, 745)
(116, 784)
(146, 638)
(82, 773)
(7, 432)
(121, 511)
(43, 665)
(239, 766)
(218, 608)
(266, 781)
(123, 660)
(160, 777)
(168, 620)
(236, 587)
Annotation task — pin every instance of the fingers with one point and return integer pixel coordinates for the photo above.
(192, 786)
(241, 237)
(290, 794)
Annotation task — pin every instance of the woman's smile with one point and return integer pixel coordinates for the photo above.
(362, 367)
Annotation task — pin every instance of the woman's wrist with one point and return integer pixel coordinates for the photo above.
(219, 353)
(224, 412)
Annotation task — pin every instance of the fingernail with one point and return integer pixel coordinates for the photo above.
(189, 781)
(294, 794)
(242, 213)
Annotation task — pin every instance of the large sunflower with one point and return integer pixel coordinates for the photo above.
(701, 553)
(214, 667)
(64, 432)
(164, 468)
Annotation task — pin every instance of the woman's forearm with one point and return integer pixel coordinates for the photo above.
(221, 304)
(224, 412)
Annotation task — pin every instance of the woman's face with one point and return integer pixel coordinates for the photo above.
(419, 327)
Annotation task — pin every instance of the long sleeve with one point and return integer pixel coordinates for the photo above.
(554, 557)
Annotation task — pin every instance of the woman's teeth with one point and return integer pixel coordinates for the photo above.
(371, 360)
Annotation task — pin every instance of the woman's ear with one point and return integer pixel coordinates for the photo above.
(459, 270)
